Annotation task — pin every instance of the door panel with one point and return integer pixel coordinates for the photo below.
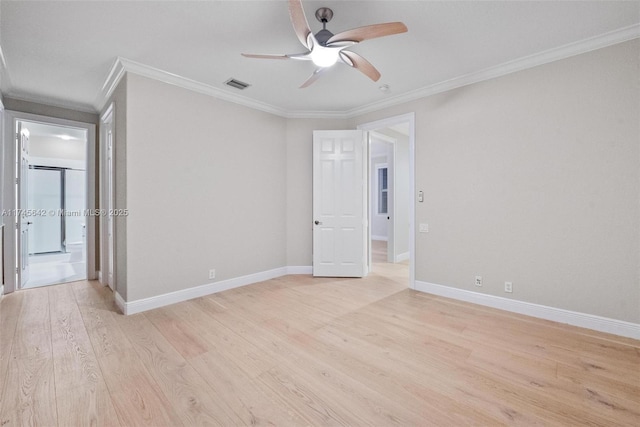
(23, 221)
(339, 204)
(110, 207)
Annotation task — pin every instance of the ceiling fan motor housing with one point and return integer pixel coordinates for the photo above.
(323, 35)
(324, 15)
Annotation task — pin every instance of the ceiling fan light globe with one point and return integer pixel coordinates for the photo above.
(324, 57)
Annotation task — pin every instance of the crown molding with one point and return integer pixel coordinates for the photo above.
(572, 49)
(5, 81)
(122, 65)
(116, 73)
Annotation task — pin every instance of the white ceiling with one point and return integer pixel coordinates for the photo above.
(61, 52)
(46, 130)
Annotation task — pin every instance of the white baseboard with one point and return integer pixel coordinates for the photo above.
(583, 320)
(133, 307)
(382, 238)
(1, 291)
(100, 277)
(403, 257)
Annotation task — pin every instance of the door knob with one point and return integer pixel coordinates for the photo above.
(318, 222)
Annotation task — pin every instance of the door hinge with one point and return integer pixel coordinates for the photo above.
(17, 181)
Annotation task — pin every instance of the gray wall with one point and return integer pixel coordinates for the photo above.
(534, 178)
(49, 110)
(206, 188)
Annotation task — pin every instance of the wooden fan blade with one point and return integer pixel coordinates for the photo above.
(369, 32)
(299, 21)
(361, 64)
(315, 76)
(267, 56)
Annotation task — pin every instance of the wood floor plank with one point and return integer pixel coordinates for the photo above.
(10, 306)
(82, 395)
(97, 311)
(252, 402)
(196, 402)
(136, 396)
(217, 338)
(28, 395)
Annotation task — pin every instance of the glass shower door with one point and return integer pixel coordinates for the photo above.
(46, 194)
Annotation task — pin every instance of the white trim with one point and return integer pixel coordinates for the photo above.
(1, 291)
(310, 114)
(520, 64)
(99, 273)
(116, 73)
(403, 257)
(583, 320)
(8, 168)
(3, 62)
(150, 303)
(107, 123)
(380, 238)
(122, 65)
(390, 121)
(5, 80)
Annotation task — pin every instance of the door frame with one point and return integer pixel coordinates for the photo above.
(107, 198)
(390, 121)
(10, 170)
(391, 194)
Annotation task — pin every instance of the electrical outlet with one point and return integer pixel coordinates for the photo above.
(478, 280)
(212, 274)
(424, 228)
(508, 287)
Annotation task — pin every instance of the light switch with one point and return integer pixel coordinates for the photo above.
(420, 196)
(424, 228)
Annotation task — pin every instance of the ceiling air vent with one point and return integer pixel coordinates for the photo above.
(237, 84)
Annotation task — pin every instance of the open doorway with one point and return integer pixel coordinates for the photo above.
(49, 200)
(391, 204)
(52, 196)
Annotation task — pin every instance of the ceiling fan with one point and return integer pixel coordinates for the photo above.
(325, 48)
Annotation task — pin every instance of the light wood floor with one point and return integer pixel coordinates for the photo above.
(302, 351)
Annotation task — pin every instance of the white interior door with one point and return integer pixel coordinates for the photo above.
(339, 204)
(23, 195)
